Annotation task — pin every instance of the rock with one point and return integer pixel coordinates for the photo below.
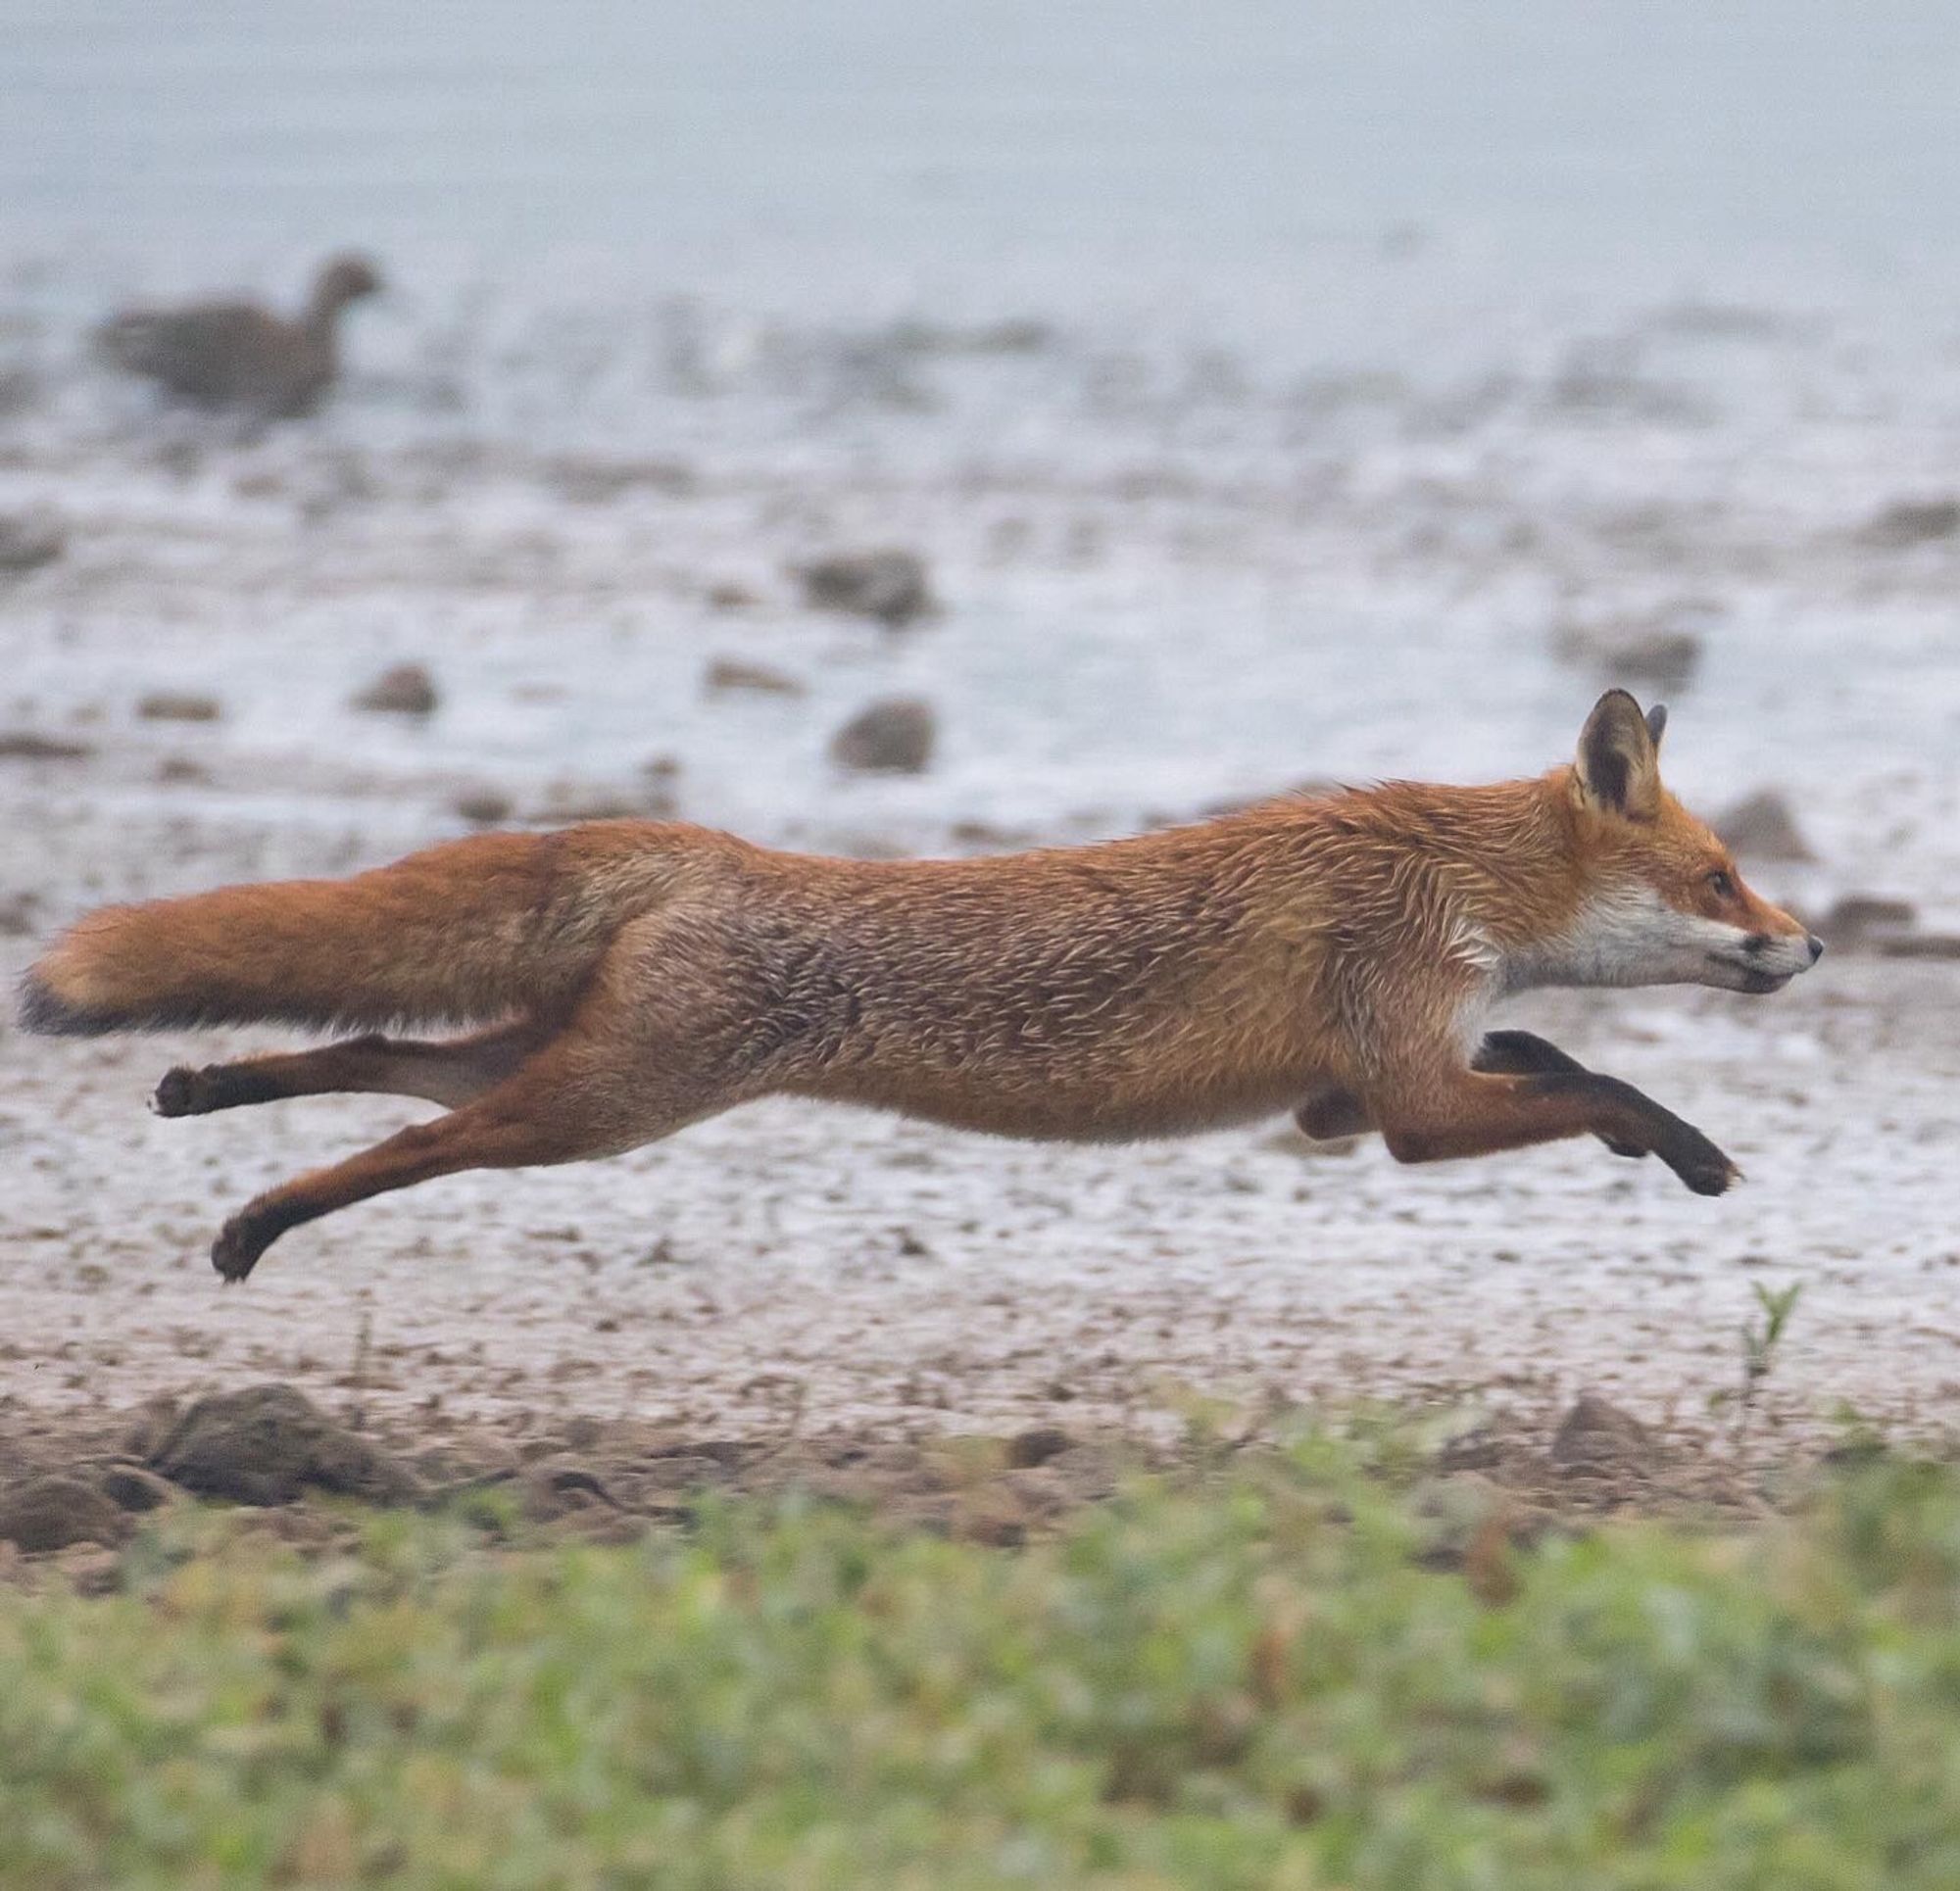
(1761, 827)
(28, 744)
(729, 596)
(129, 1486)
(1907, 522)
(1944, 945)
(562, 1486)
(1858, 917)
(271, 1444)
(181, 769)
(484, 808)
(887, 585)
(729, 673)
(568, 801)
(893, 737)
(173, 705)
(1597, 1435)
(1037, 1445)
(51, 1513)
(30, 540)
(407, 689)
(18, 914)
(1660, 649)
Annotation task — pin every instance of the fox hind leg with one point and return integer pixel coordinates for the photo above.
(451, 1072)
(570, 1102)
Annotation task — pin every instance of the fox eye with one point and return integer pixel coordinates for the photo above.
(1722, 885)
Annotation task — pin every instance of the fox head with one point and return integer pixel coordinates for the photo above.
(1661, 899)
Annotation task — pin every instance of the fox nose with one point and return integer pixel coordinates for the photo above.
(1815, 946)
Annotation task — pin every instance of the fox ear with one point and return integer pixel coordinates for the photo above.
(1657, 722)
(1619, 761)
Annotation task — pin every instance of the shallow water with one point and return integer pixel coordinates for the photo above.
(1355, 353)
(1133, 137)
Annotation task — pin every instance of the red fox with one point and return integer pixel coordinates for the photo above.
(1335, 957)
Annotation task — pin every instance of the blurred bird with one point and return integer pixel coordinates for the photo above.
(237, 355)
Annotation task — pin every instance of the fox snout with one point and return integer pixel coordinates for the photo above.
(1770, 960)
(1763, 946)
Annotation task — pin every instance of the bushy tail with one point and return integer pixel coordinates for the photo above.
(470, 932)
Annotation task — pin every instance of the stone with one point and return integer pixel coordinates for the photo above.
(406, 689)
(54, 1512)
(889, 585)
(271, 1444)
(894, 736)
(1761, 827)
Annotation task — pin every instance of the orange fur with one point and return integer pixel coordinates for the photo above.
(1329, 956)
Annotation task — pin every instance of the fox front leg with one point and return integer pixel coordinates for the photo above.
(1433, 1113)
(1332, 1113)
(1522, 1053)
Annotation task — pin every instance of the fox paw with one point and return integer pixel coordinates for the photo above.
(183, 1092)
(236, 1251)
(1712, 1174)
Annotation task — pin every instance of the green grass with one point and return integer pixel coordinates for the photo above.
(1257, 1681)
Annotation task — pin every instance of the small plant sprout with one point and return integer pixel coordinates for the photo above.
(1762, 1339)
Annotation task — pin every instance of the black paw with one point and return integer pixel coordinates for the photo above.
(239, 1243)
(196, 1093)
(1631, 1150)
(1705, 1170)
(181, 1094)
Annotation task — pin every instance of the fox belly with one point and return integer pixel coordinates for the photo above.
(1035, 1105)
